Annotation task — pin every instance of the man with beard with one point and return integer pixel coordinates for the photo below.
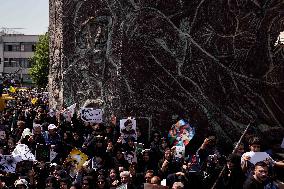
(257, 181)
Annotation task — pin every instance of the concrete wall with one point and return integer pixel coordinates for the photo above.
(20, 38)
(213, 62)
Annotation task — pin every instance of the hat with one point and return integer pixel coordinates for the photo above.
(26, 132)
(21, 182)
(53, 164)
(51, 126)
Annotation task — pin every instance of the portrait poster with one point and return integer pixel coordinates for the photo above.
(2, 135)
(130, 156)
(2, 132)
(128, 129)
(78, 157)
(179, 151)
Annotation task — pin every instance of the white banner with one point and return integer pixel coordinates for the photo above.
(8, 163)
(257, 156)
(91, 115)
(23, 152)
(69, 112)
(52, 154)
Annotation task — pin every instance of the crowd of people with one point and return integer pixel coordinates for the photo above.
(28, 120)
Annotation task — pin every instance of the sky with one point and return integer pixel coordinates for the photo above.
(32, 15)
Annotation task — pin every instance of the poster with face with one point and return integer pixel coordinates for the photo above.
(2, 132)
(128, 129)
(2, 135)
(77, 157)
(180, 151)
(91, 115)
(130, 157)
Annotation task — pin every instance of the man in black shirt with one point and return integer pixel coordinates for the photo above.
(257, 181)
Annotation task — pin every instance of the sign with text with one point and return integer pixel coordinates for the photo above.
(91, 115)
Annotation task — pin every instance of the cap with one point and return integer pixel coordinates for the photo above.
(51, 126)
(26, 132)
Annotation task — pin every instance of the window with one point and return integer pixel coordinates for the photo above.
(24, 63)
(8, 48)
(7, 63)
(12, 47)
(33, 47)
(22, 47)
(28, 47)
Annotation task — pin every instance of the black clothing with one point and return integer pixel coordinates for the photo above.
(234, 181)
(251, 183)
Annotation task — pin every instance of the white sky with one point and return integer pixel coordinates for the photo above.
(32, 15)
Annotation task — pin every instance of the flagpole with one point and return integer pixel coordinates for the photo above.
(234, 151)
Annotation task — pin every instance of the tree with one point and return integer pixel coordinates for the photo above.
(40, 62)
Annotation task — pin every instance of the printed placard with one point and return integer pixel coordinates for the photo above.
(128, 129)
(8, 163)
(124, 186)
(179, 151)
(2, 135)
(130, 157)
(91, 115)
(52, 154)
(257, 156)
(78, 157)
(24, 152)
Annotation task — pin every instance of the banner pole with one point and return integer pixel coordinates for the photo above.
(234, 151)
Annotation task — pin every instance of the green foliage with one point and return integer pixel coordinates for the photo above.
(40, 62)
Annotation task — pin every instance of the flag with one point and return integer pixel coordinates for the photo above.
(72, 109)
(34, 100)
(69, 112)
(12, 89)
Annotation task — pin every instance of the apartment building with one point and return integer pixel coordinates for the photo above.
(15, 51)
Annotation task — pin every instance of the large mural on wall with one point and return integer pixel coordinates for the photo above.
(215, 62)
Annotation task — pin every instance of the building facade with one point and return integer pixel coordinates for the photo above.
(15, 51)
